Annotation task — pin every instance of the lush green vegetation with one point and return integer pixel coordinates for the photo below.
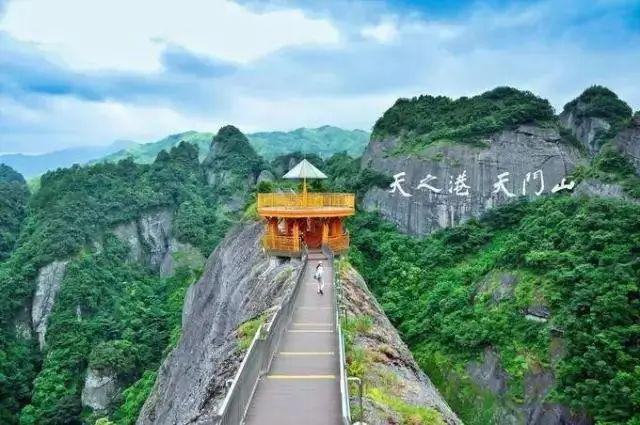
(343, 172)
(598, 101)
(247, 331)
(610, 166)
(323, 141)
(126, 322)
(579, 257)
(381, 385)
(426, 119)
(13, 207)
(232, 151)
(146, 153)
(111, 315)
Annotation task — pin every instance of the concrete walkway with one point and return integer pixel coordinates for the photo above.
(302, 386)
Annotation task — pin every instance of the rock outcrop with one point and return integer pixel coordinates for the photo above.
(100, 390)
(392, 360)
(150, 240)
(592, 187)
(47, 287)
(489, 375)
(232, 161)
(448, 183)
(239, 283)
(588, 130)
(627, 142)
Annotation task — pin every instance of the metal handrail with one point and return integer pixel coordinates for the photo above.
(258, 358)
(344, 382)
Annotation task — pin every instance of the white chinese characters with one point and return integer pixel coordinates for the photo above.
(461, 187)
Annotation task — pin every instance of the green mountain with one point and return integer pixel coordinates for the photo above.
(14, 195)
(323, 141)
(526, 313)
(115, 245)
(146, 153)
(427, 119)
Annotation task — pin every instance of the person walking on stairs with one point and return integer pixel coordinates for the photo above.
(319, 276)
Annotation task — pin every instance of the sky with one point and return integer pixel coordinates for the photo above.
(88, 72)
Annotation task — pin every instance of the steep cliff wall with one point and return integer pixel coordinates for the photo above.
(447, 183)
(396, 389)
(239, 283)
(627, 142)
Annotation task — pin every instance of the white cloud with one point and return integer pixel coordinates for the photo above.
(63, 122)
(384, 32)
(124, 34)
(260, 114)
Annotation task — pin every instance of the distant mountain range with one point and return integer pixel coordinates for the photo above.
(34, 165)
(323, 141)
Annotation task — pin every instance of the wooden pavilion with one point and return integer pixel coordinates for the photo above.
(307, 219)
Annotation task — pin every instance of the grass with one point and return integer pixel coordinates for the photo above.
(410, 414)
(361, 363)
(247, 331)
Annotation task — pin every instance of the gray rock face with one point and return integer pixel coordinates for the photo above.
(155, 229)
(265, 176)
(592, 187)
(534, 410)
(499, 285)
(627, 142)
(151, 242)
(47, 287)
(22, 323)
(586, 129)
(538, 313)
(239, 282)
(488, 373)
(394, 358)
(128, 233)
(449, 183)
(177, 254)
(99, 390)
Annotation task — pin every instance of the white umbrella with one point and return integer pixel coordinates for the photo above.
(305, 170)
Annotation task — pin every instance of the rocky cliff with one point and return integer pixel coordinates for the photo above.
(627, 141)
(232, 165)
(396, 389)
(152, 242)
(447, 183)
(239, 283)
(47, 287)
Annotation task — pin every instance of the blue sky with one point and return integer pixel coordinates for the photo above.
(88, 72)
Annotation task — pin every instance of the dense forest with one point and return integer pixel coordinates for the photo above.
(551, 285)
(579, 257)
(14, 195)
(573, 258)
(427, 119)
(111, 313)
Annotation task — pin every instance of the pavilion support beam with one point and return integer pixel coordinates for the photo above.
(325, 232)
(296, 235)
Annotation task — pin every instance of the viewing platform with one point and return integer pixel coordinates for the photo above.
(298, 220)
(299, 205)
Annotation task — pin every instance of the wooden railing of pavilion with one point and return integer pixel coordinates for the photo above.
(310, 200)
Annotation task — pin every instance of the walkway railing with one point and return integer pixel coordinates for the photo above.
(310, 200)
(258, 358)
(344, 382)
(339, 243)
